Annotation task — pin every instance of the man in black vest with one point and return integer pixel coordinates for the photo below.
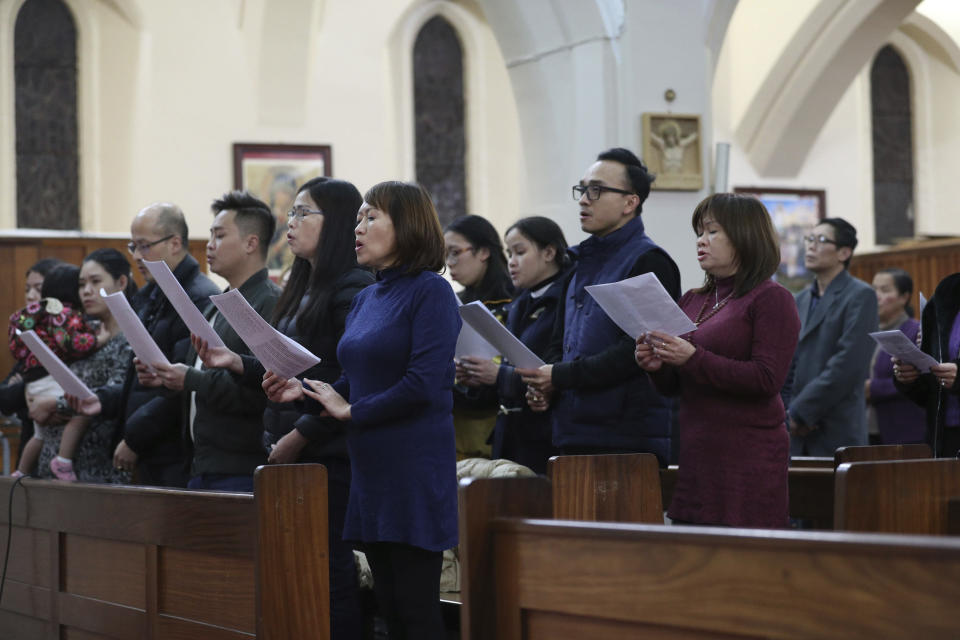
(603, 402)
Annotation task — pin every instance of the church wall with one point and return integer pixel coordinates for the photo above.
(166, 88)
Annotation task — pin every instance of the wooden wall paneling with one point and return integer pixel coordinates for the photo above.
(927, 262)
(207, 588)
(104, 569)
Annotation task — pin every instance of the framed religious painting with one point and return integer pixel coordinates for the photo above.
(671, 150)
(273, 172)
(794, 213)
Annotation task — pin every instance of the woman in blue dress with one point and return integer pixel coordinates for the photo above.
(395, 395)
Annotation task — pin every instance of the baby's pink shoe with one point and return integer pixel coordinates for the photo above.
(63, 469)
(17, 474)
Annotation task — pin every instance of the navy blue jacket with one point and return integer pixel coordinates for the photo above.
(605, 399)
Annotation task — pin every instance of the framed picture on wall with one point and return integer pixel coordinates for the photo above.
(794, 213)
(273, 172)
(671, 150)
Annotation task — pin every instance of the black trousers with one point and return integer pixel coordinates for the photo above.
(406, 581)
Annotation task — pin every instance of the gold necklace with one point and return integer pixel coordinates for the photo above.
(720, 304)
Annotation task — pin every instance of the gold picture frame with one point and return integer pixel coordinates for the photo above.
(672, 151)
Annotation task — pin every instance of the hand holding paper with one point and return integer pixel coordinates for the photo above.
(489, 328)
(181, 302)
(640, 305)
(275, 351)
(136, 334)
(898, 345)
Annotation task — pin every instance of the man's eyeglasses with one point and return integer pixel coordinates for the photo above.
(299, 213)
(143, 247)
(594, 191)
(818, 240)
(453, 254)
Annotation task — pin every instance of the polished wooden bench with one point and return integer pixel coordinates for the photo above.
(614, 488)
(899, 496)
(529, 577)
(121, 562)
(878, 452)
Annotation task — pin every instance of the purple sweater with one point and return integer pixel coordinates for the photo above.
(733, 445)
(900, 420)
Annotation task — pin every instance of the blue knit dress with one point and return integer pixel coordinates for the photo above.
(397, 358)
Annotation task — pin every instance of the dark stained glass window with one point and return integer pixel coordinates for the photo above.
(45, 76)
(892, 147)
(439, 117)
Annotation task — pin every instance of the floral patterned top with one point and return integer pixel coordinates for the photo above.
(61, 328)
(93, 461)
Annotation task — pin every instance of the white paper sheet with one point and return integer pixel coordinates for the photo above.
(640, 305)
(471, 343)
(897, 344)
(181, 302)
(490, 329)
(923, 304)
(136, 334)
(56, 367)
(275, 351)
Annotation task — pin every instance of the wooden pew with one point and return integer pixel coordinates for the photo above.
(811, 462)
(612, 488)
(878, 452)
(606, 581)
(116, 563)
(901, 496)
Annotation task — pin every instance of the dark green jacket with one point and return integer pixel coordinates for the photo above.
(228, 427)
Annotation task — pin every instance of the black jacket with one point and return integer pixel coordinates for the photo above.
(228, 427)
(151, 416)
(935, 325)
(326, 436)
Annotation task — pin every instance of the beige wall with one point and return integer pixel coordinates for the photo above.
(167, 87)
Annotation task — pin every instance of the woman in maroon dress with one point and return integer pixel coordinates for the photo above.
(733, 446)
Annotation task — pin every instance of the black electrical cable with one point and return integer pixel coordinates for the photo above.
(6, 559)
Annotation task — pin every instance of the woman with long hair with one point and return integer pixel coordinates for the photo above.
(475, 258)
(106, 269)
(538, 264)
(312, 310)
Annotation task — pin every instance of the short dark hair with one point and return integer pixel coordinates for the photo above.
(638, 175)
(495, 284)
(171, 221)
(115, 264)
(253, 216)
(543, 232)
(748, 225)
(419, 236)
(63, 283)
(44, 266)
(846, 235)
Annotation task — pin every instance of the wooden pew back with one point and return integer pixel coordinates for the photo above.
(878, 452)
(606, 581)
(95, 561)
(613, 488)
(901, 496)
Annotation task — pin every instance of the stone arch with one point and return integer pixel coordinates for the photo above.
(822, 58)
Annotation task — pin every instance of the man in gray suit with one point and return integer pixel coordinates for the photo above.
(826, 405)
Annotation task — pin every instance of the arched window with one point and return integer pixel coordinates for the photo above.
(892, 147)
(439, 117)
(45, 77)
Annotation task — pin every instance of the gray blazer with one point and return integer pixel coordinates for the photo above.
(830, 365)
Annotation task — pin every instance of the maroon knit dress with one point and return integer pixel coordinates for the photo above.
(733, 446)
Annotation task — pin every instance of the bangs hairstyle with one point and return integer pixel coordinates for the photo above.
(748, 225)
(419, 236)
